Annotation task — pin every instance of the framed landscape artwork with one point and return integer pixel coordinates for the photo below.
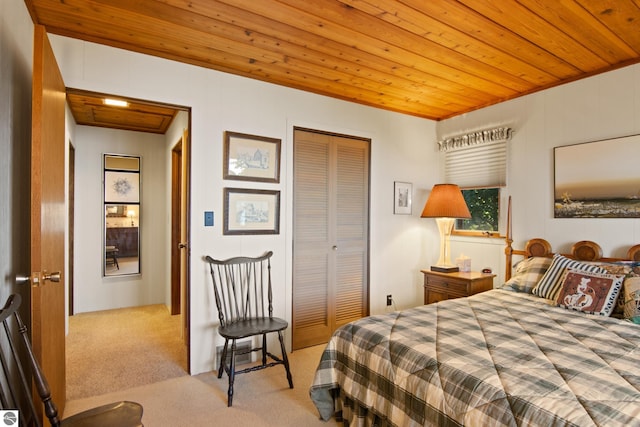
(251, 211)
(598, 179)
(251, 158)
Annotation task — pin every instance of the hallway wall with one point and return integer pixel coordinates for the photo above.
(92, 291)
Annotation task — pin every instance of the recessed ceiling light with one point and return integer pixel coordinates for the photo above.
(116, 102)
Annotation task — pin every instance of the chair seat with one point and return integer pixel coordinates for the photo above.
(121, 414)
(249, 327)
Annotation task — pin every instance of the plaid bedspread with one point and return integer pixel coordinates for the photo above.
(497, 358)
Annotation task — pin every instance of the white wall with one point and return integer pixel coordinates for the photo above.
(92, 291)
(600, 107)
(402, 148)
(16, 64)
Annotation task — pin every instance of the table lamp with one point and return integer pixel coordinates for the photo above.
(445, 204)
(131, 214)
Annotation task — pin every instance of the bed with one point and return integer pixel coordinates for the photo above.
(555, 346)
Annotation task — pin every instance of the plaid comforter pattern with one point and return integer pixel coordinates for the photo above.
(498, 358)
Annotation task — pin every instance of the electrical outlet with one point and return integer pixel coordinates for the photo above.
(389, 299)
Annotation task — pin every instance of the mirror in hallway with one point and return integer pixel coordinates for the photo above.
(121, 255)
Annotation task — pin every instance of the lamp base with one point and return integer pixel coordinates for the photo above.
(444, 269)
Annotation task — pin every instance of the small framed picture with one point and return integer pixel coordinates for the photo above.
(251, 211)
(251, 158)
(121, 187)
(402, 193)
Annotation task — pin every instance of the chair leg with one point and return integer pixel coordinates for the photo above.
(264, 349)
(285, 359)
(223, 358)
(232, 373)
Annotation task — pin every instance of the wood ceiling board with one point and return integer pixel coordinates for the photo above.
(422, 25)
(433, 59)
(280, 70)
(89, 109)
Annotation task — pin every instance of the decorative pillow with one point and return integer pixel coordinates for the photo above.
(632, 299)
(593, 293)
(528, 273)
(617, 267)
(549, 285)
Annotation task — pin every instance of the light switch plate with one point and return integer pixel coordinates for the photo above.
(208, 218)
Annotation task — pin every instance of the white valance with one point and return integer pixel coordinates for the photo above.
(467, 140)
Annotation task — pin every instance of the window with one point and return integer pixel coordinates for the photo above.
(477, 163)
(484, 205)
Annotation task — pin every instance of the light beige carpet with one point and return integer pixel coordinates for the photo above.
(136, 354)
(119, 349)
(261, 399)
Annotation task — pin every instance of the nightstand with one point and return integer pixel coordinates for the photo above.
(442, 286)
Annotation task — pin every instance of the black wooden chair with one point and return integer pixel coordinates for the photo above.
(242, 288)
(15, 382)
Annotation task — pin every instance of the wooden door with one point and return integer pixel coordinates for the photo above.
(331, 234)
(176, 222)
(71, 222)
(48, 216)
(180, 235)
(185, 252)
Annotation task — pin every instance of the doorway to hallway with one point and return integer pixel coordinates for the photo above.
(147, 130)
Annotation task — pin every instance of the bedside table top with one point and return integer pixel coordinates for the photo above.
(471, 275)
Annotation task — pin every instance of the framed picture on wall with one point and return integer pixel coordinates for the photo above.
(251, 158)
(251, 211)
(402, 195)
(121, 187)
(597, 179)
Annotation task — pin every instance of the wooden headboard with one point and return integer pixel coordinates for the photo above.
(584, 250)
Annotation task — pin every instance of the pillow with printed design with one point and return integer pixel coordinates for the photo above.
(626, 268)
(594, 293)
(631, 291)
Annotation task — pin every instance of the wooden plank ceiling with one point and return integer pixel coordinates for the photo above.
(90, 109)
(429, 58)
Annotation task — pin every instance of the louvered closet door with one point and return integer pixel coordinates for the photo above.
(330, 242)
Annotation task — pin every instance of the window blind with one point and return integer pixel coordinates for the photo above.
(483, 165)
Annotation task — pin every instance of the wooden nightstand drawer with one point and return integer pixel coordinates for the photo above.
(447, 284)
(442, 286)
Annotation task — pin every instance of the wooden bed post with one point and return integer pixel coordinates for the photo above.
(508, 250)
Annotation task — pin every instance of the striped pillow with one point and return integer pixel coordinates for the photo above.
(550, 284)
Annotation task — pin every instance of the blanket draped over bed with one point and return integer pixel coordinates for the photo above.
(498, 358)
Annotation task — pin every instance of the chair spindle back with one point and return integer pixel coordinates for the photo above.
(242, 287)
(15, 384)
